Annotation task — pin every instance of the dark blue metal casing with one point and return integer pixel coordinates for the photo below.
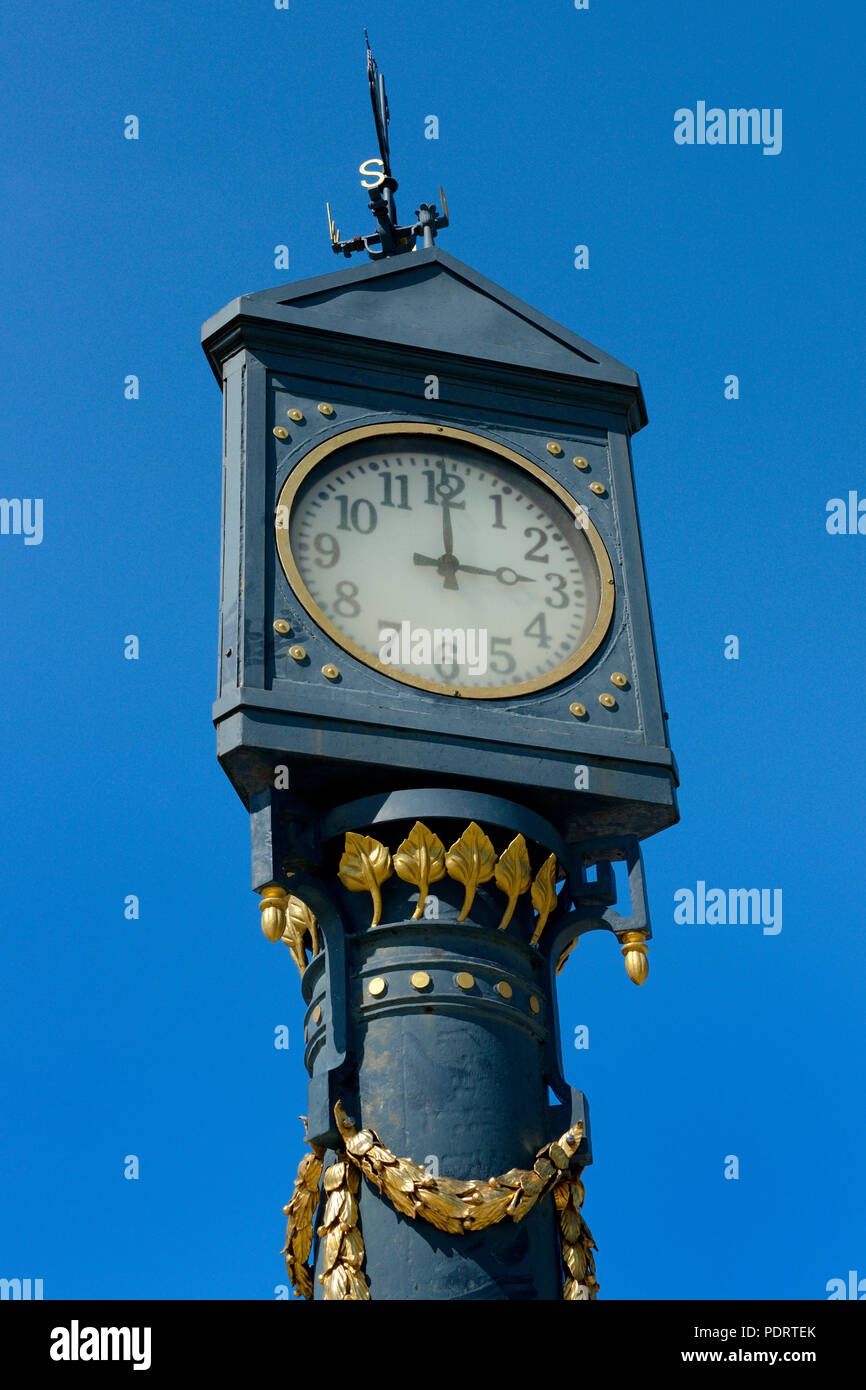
(365, 340)
(461, 1070)
(453, 1055)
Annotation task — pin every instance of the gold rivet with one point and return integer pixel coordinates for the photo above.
(597, 488)
(377, 986)
(325, 409)
(581, 462)
(299, 653)
(465, 980)
(420, 979)
(578, 710)
(504, 988)
(280, 432)
(282, 626)
(331, 672)
(534, 1004)
(619, 679)
(608, 701)
(295, 415)
(554, 448)
(317, 1014)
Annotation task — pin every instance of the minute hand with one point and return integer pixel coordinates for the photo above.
(500, 574)
(504, 574)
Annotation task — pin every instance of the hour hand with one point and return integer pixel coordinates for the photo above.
(446, 565)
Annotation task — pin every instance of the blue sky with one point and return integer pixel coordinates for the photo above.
(155, 1037)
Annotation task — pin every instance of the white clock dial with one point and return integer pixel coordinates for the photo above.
(444, 563)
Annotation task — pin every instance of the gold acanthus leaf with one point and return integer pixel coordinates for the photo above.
(513, 876)
(364, 866)
(544, 896)
(300, 920)
(420, 860)
(471, 860)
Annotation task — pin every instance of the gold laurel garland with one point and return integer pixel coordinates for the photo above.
(450, 1204)
(576, 1243)
(299, 1228)
(343, 1248)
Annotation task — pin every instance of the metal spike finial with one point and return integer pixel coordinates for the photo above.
(390, 238)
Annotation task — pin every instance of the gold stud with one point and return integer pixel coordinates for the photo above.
(504, 988)
(280, 432)
(376, 987)
(282, 626)
(581, 463)
(299, 653)
(420, 980)
(597, 488)
(295, 415)
(534, 1004)
(325, 409)
(317, 1014)
(465, 980)
(554, 448)
(331, 672)
(608, 701)
(578, 710)
(619, 679)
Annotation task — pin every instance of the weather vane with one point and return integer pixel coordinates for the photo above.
(377, 179)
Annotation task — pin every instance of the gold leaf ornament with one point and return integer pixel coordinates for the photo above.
(513, 876)
(420, 860)
(471, 860)
(300, 923)
(364, 867)
(544, 896)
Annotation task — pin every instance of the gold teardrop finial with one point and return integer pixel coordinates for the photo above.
(633, 945)
(273, 907)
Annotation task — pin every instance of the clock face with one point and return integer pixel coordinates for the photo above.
(445, 564)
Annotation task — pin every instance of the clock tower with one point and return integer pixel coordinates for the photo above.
(440, 701)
